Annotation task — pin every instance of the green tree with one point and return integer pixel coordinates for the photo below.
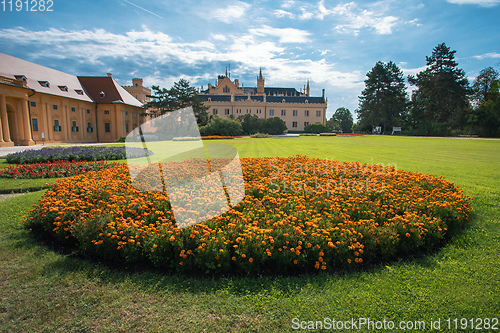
(485, 119)
(222, 126)
(273, 126)
(384, 101)
(441, 102)
(179, 96)
(251, 123)
(343, 118)
(483, 84)
(316, 128)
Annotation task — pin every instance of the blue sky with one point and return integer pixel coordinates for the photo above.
(331, 43)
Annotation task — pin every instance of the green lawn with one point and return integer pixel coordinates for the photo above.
(43, 290)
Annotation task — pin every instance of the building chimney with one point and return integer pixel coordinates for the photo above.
(323, 94)
(109, 74)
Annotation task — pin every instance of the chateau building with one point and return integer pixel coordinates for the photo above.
(39, 104)
(296, 109)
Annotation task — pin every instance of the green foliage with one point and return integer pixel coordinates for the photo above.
(180, 96)
(327, 134)
(440, 103)
(485, 119)
(315, 128)
(222, 126)
(384, 101)
(261, 135)
(251, 124)
(342, 120)
(273, 126)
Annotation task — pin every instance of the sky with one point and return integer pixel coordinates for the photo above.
(333, 44)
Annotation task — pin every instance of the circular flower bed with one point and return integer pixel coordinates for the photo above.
(299, 214)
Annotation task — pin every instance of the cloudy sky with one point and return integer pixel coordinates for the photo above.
(331, 43)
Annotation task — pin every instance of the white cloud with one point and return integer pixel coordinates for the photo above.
(288, 4)
(350, 18)
(163, 59)
(482, 3)
(230, 13)
(285, 35)
(283, 13)
(220, 37)
(493, 55)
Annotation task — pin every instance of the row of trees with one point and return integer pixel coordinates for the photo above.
(443, 102)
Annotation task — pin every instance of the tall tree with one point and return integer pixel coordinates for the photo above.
(342, 119)
(485, 119)
(179, 96)
(482, 85)
(384, 100)
(441, 101)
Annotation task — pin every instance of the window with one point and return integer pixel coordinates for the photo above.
(54, 107)
(214, 111)
(294, 124)
(295, 113)
(306, 113)
(88, 111)
(126, 113)
(57, 128)
(89, 127)
(79, 91)
(74, 128)
(126, 127)
(21, 77)
(306, 123)
(63, 88)
(107, 127)
(283, 112)
(73, 109)
(271, 112)
(102, 94)
(318, 113)
(226, 89)
(45, 84)
(106, 111)
(226, 111)
(33, 104)
(35, 125)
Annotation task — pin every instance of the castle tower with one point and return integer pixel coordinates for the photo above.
(260, 84)
(307, 89)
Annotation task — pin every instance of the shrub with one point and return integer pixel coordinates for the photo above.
(328, 134)
(299, 214)
(274, 126)
(316, 128)
(261, 135)
(76, 153)
(251, 124)
(222, 126)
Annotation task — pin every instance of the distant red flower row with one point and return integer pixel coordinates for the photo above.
(57, 169)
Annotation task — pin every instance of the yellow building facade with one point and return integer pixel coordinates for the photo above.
(296, 108)
(40, 104)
